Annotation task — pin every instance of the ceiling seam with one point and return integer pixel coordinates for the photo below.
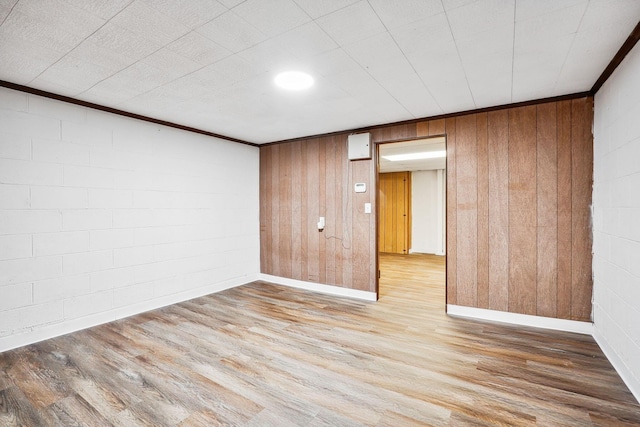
(409, 61)
(466, 78)
(165, 45)
(367, 71)
(233, 53)
(341, 47)
(130, 65)
(10, 12)
(80, 43)
(564, 62)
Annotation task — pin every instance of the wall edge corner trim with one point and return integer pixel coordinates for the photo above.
(632, 383)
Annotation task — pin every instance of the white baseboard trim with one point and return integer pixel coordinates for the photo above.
(68, 326)
(423, 251)
(521, 319)
(428, 252)
(621, 368)
(319, 287)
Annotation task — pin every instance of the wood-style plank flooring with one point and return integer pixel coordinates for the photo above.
(266, 355)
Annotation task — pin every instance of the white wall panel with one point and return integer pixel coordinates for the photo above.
(14, 196)
(425, 205)
(616, 229)
(13, 146)
(29, 221)
(103, 216)
(29, 172)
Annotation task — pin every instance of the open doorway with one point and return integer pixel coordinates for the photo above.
(412, 217)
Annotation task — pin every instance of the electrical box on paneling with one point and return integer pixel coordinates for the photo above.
(359, 146)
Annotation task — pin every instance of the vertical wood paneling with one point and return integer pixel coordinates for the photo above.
(339, 189)
(275, 208)
(483, 211)
(266, 199)
(382, 211)
(522, 210)
(407, 210)
(322, 209)
(395, 211)
(301, 181)
(297, 254)
(518, 219)
(498, 141)
(398, 225)
(422, 128)
(394, 133)
(547, 211)
(304, 213)
(467, 210)
(563, 305)
(330, 211)
(452, 230)
(388, 212)
(347, 206)
(430, 128)
(313, 212)
(362, 260)
(285, 211)
(437, 127)
(582, 183)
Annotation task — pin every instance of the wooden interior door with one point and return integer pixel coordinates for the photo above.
(394, 217)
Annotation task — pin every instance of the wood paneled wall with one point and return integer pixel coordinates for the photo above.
(518, 209)
(302, 181)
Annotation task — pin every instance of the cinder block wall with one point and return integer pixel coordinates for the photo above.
(616, 219)
(103, 216)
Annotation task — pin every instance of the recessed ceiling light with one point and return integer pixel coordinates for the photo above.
(294, 80)
(416, 156)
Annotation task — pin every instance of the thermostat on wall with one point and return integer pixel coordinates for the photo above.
(361, 187)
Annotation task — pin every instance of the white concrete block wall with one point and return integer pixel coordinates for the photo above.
(616, 216)
(103, 216)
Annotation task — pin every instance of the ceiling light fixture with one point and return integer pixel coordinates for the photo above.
(416, 156)
(294, 80)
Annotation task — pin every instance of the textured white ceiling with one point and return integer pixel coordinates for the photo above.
(210, 64)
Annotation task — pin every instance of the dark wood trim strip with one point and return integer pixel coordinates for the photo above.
(617, 59)
(87, 104)
(442, 116)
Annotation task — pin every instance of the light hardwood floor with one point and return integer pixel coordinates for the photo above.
(262, 355)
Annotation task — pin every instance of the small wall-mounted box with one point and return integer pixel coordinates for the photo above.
(359, 146)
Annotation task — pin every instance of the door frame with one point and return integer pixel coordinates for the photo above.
(376, 165)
